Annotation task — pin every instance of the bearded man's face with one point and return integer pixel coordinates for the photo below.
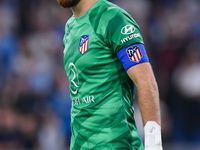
(68, 3)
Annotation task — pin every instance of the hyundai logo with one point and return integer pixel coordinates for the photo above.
(128, 29)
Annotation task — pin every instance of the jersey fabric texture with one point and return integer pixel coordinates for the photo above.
(102, 114)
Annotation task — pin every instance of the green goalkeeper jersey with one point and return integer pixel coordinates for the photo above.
(102, 114)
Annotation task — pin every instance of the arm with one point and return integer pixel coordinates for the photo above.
(126, 40)
(148, 97)
(142, 76)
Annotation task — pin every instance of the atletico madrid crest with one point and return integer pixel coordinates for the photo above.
(84, 42)
(134, 53)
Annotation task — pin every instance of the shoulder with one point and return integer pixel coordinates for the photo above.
(68, 26)
(69, 23)
(113, 11)
(71, 20)
(108, 15)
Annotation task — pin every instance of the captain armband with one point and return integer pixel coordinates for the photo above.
(133, 55)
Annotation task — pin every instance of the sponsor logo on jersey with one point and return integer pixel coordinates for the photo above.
(84, 42)
(130, 37)
(85, 100)
(128, 29)
(134, 53)
(73, 77)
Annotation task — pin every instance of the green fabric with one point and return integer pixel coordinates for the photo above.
(102, 115)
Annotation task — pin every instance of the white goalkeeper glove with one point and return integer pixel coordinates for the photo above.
(152, 133)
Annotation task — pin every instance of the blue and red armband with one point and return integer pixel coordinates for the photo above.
(133, 55)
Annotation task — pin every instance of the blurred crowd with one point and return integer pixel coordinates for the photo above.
(34, 94)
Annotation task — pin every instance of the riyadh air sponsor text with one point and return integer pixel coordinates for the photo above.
(84, 100)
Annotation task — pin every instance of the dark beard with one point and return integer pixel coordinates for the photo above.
(68, 3)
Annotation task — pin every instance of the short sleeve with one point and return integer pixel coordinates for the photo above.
(122, 31)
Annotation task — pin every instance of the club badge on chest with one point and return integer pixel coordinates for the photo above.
(84, 44)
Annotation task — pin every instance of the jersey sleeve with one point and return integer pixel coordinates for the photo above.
(122, 31)
(125, 39)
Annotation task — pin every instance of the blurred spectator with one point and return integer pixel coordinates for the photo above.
(186, 83)
(30, 62)
(51, 136)
(9, 135)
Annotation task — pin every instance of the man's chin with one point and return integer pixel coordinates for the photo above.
(68, 3)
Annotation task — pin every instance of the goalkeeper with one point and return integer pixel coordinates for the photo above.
(105, 58)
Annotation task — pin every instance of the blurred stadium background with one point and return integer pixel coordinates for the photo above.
(34, 94)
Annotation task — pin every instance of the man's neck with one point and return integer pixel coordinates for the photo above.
(82, 7)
